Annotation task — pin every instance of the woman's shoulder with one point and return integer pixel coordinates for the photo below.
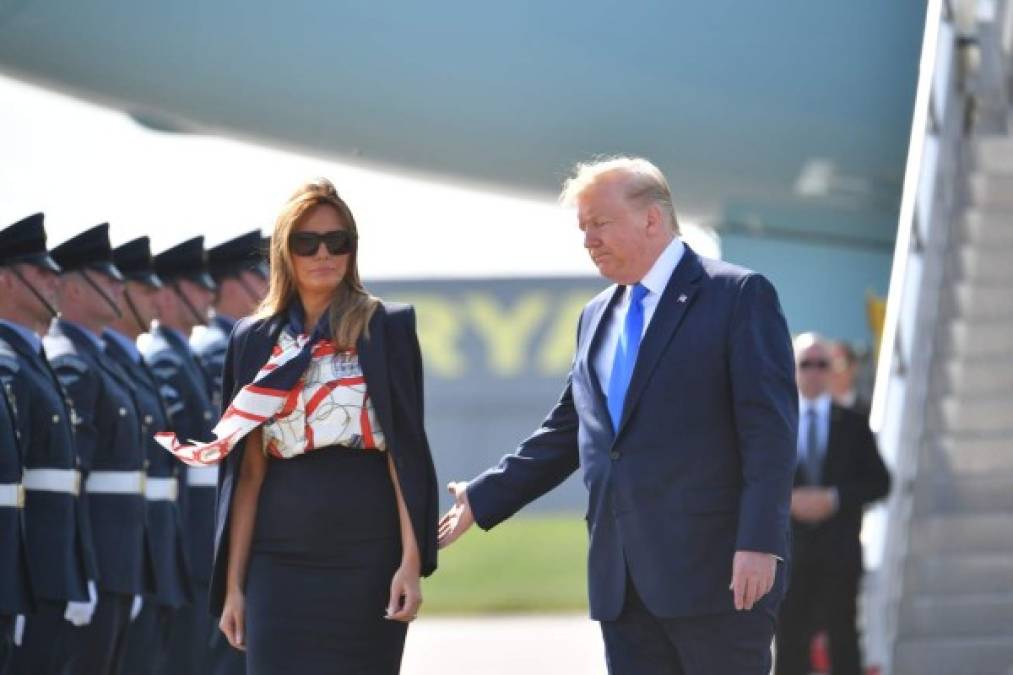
(398, 314)
(252, 325)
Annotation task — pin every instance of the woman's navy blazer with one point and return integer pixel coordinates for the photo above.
(392, 365)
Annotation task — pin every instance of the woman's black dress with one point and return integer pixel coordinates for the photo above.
(325, 548)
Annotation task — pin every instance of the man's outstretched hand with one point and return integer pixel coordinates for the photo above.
(458, 519)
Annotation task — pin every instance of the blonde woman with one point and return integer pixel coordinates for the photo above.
(327, 499)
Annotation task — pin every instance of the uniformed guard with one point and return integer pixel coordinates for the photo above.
(148, 643)
(109, 442)
(240, 273)
(16, 598)
(182, 304)
(60, 554)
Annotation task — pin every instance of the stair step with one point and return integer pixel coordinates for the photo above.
(986, 227)
(958, 574)
(973, 379)
(984, 414)
(994, 154)
(974, 300)
(991, 654)
(981, 263)
(958, 615)
(992, 190)
(964, 339)
(979, 533)
(970, 454)
(944, 492)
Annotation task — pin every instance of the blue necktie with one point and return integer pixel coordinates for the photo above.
(626, 355)
(813, 456)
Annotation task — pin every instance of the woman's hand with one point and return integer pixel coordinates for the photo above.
(233, 622)
(405, 593)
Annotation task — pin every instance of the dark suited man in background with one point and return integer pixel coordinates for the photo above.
(839, 472)
(681, 410)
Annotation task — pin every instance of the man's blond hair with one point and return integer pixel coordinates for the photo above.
(646, 184)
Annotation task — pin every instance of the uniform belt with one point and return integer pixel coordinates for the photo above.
(12, 495)
(115, 482)
(161, 489)
(202, 476)
(53, 480)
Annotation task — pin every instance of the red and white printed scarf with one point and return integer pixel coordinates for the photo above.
(280, 399)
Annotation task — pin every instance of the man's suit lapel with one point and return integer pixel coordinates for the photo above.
(373, 361)
(672, 308)
(834, 441)
(596, 330)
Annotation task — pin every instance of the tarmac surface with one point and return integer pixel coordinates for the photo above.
(530, 645)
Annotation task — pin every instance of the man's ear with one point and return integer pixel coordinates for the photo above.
(655, 220)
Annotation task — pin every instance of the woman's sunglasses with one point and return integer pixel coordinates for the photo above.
(338, 242)
(814, 364)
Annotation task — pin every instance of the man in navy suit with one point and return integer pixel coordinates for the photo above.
(840, 473)
(681, 410)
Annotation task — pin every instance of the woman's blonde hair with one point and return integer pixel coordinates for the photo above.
(352, 305)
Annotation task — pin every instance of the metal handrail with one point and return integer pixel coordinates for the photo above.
(893, 401)
(889, 344)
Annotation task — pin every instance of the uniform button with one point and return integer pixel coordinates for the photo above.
(615, 454)
(147, 463)
(56, 419)
(148, 419)
(207, 414)
(123, 412)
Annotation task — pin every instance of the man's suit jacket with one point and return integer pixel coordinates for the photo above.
(702, 463)
(392, 365)
(853, 465)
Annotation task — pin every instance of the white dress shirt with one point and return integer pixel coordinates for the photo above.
(655, 282)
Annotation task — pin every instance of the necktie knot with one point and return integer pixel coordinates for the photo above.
(638, 293)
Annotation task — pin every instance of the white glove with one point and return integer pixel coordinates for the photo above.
(135, 609)
(80, 613)
(19, 629)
